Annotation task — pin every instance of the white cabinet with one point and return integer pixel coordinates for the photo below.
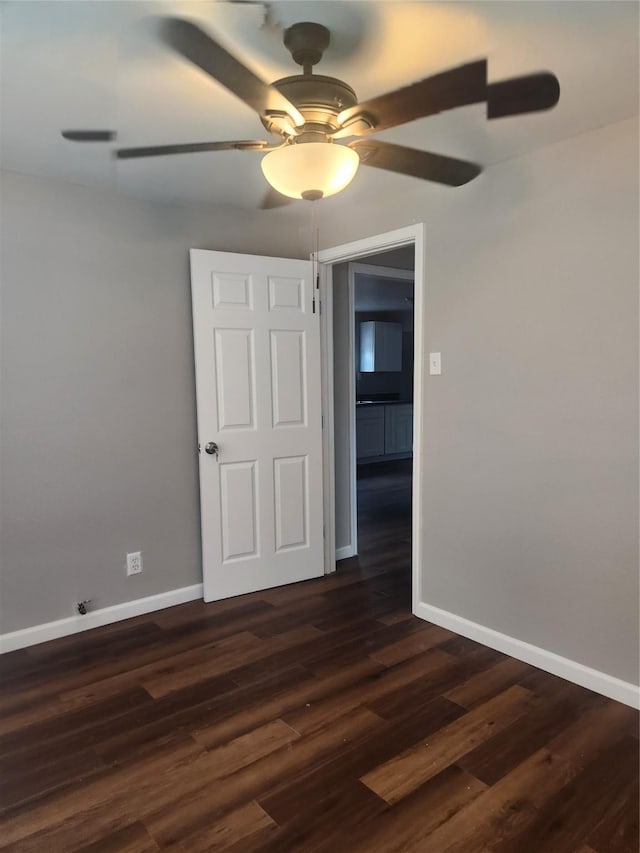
(398, 428)
(384, 431)
(369, 431)
(380, 347)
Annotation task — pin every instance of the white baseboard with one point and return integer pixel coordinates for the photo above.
(578, 673)
(345, 552)
(95, 618)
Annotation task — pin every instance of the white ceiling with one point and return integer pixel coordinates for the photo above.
(100, 64)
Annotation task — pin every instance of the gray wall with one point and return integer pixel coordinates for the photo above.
(531, 456)
(531, 522)
(531, 480)
(97, 423)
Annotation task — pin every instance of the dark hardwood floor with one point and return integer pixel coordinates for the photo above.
(316, 717)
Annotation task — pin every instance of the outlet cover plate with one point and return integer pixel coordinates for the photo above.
(134, 563)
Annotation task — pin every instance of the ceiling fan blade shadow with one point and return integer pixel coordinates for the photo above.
(192, 148)
(89, 135)
(272, 198)
(199, 48)
(526, 94)
(456, 87)
(417, 164)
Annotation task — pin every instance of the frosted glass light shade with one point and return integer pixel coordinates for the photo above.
(310, 170)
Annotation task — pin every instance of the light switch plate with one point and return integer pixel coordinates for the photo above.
(435, 365)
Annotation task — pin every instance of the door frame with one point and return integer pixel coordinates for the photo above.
(410, 235)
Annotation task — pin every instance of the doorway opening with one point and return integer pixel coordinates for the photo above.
(372, 302)
(381, 299)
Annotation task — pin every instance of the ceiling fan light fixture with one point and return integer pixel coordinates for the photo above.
(310, 170)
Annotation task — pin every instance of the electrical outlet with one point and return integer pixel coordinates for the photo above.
(134, 563)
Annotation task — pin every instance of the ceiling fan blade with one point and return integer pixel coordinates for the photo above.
(89, 135)
(191, 148)
(522, 95)
(272, 198)
(454, 88)
(195, 45)
(418, 164)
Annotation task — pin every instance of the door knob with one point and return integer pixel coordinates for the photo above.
(211, 448)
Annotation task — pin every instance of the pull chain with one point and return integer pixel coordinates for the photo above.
(315, 271)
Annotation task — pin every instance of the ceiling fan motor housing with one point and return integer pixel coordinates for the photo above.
(320, 99)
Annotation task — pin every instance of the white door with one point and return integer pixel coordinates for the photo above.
(257, 359)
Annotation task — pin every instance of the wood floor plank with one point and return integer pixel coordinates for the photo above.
(77, 673)
(234, 828)
(310, 791)
(619, 830)
(204, 803)
(375, 686)
(27, 777)
(504, 808)
(577, 809)
(497, 756)
(37, 735)
(404, 773)
(132, 839)
(163, 676)
(595, 731)
(248, 748)
(62, 818)
(25, 713)
(324, 660)
(422, 690)
(486, 684)
(408, 647)
(396, 616)
(211, 703)
(221, 657)
(408, 825)
(279, 703)
(340, 810)
(306, 653)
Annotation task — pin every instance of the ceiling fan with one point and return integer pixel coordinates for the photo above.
(308, 114)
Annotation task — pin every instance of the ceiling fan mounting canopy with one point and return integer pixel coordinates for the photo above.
(311, 111)
(306, 42)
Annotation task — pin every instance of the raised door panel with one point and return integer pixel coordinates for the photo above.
(288, 371)
(231, 290)
(234, 374)
(291, 502)
(239, 507)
